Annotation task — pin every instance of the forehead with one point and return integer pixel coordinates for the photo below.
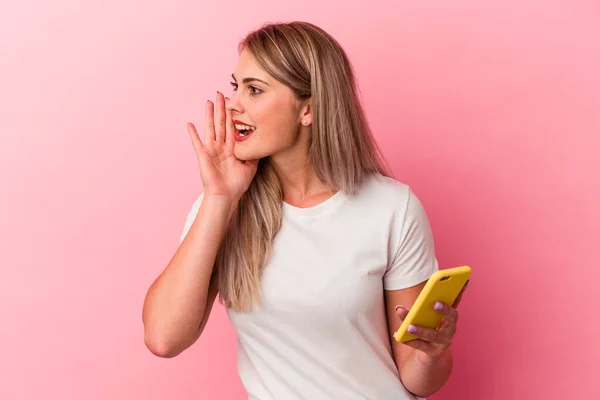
(247, 67)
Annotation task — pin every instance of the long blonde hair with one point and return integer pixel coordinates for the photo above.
(342, 152)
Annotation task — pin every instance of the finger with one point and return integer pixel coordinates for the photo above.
(196, 142)
(449, 313)
(220, 118)
(401, 312)
(459, 297)
(229, 130)
(431, 335)
(421, 345)
(209, 124)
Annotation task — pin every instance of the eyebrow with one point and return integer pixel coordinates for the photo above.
(247, 80)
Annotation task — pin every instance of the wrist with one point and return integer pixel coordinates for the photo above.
(221, 199)
(432, 360)
(221, 203)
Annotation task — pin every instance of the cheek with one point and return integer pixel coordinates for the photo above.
(278, 128)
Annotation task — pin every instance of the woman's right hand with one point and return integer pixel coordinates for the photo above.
(221, 172)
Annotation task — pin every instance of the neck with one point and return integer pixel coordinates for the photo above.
(299, 181)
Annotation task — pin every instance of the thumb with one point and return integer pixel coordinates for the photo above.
(401, 312)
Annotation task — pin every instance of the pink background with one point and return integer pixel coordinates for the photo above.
(491, 111)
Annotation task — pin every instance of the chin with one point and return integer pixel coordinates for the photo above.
(255, 149)
(246, 154)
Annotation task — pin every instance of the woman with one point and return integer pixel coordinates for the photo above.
(315, 251)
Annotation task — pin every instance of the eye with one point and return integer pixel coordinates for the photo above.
(234, 86)
(255, 90)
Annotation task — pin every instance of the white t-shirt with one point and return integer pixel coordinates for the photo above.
(321, 332)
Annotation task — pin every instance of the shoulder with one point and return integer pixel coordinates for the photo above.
(385, 191)
(382, 183)
(392, 199)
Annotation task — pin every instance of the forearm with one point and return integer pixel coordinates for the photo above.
(423, 375)
(177, 301)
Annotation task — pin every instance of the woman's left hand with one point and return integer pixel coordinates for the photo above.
(434, 342)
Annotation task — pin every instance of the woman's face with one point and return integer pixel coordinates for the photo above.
(271, 111)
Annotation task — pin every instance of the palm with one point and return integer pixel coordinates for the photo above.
(221, 172)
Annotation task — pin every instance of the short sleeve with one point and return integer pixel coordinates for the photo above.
(414, 257)
(191, 217)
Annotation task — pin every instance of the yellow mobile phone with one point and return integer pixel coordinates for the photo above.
(444, 286)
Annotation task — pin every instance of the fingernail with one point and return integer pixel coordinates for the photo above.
(438, 306)
(399, 306)
(412, 328)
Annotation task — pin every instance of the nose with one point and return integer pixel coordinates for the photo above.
(233, 105)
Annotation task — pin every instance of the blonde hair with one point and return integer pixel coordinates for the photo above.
(342, 152)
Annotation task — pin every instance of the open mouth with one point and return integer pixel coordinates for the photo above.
(244, 131)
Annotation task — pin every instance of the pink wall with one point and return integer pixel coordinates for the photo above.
(490, 111)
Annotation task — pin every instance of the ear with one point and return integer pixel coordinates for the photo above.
(306, 113)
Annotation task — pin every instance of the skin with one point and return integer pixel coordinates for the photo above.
(283, 133)
(424, 364)
(280, 134)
